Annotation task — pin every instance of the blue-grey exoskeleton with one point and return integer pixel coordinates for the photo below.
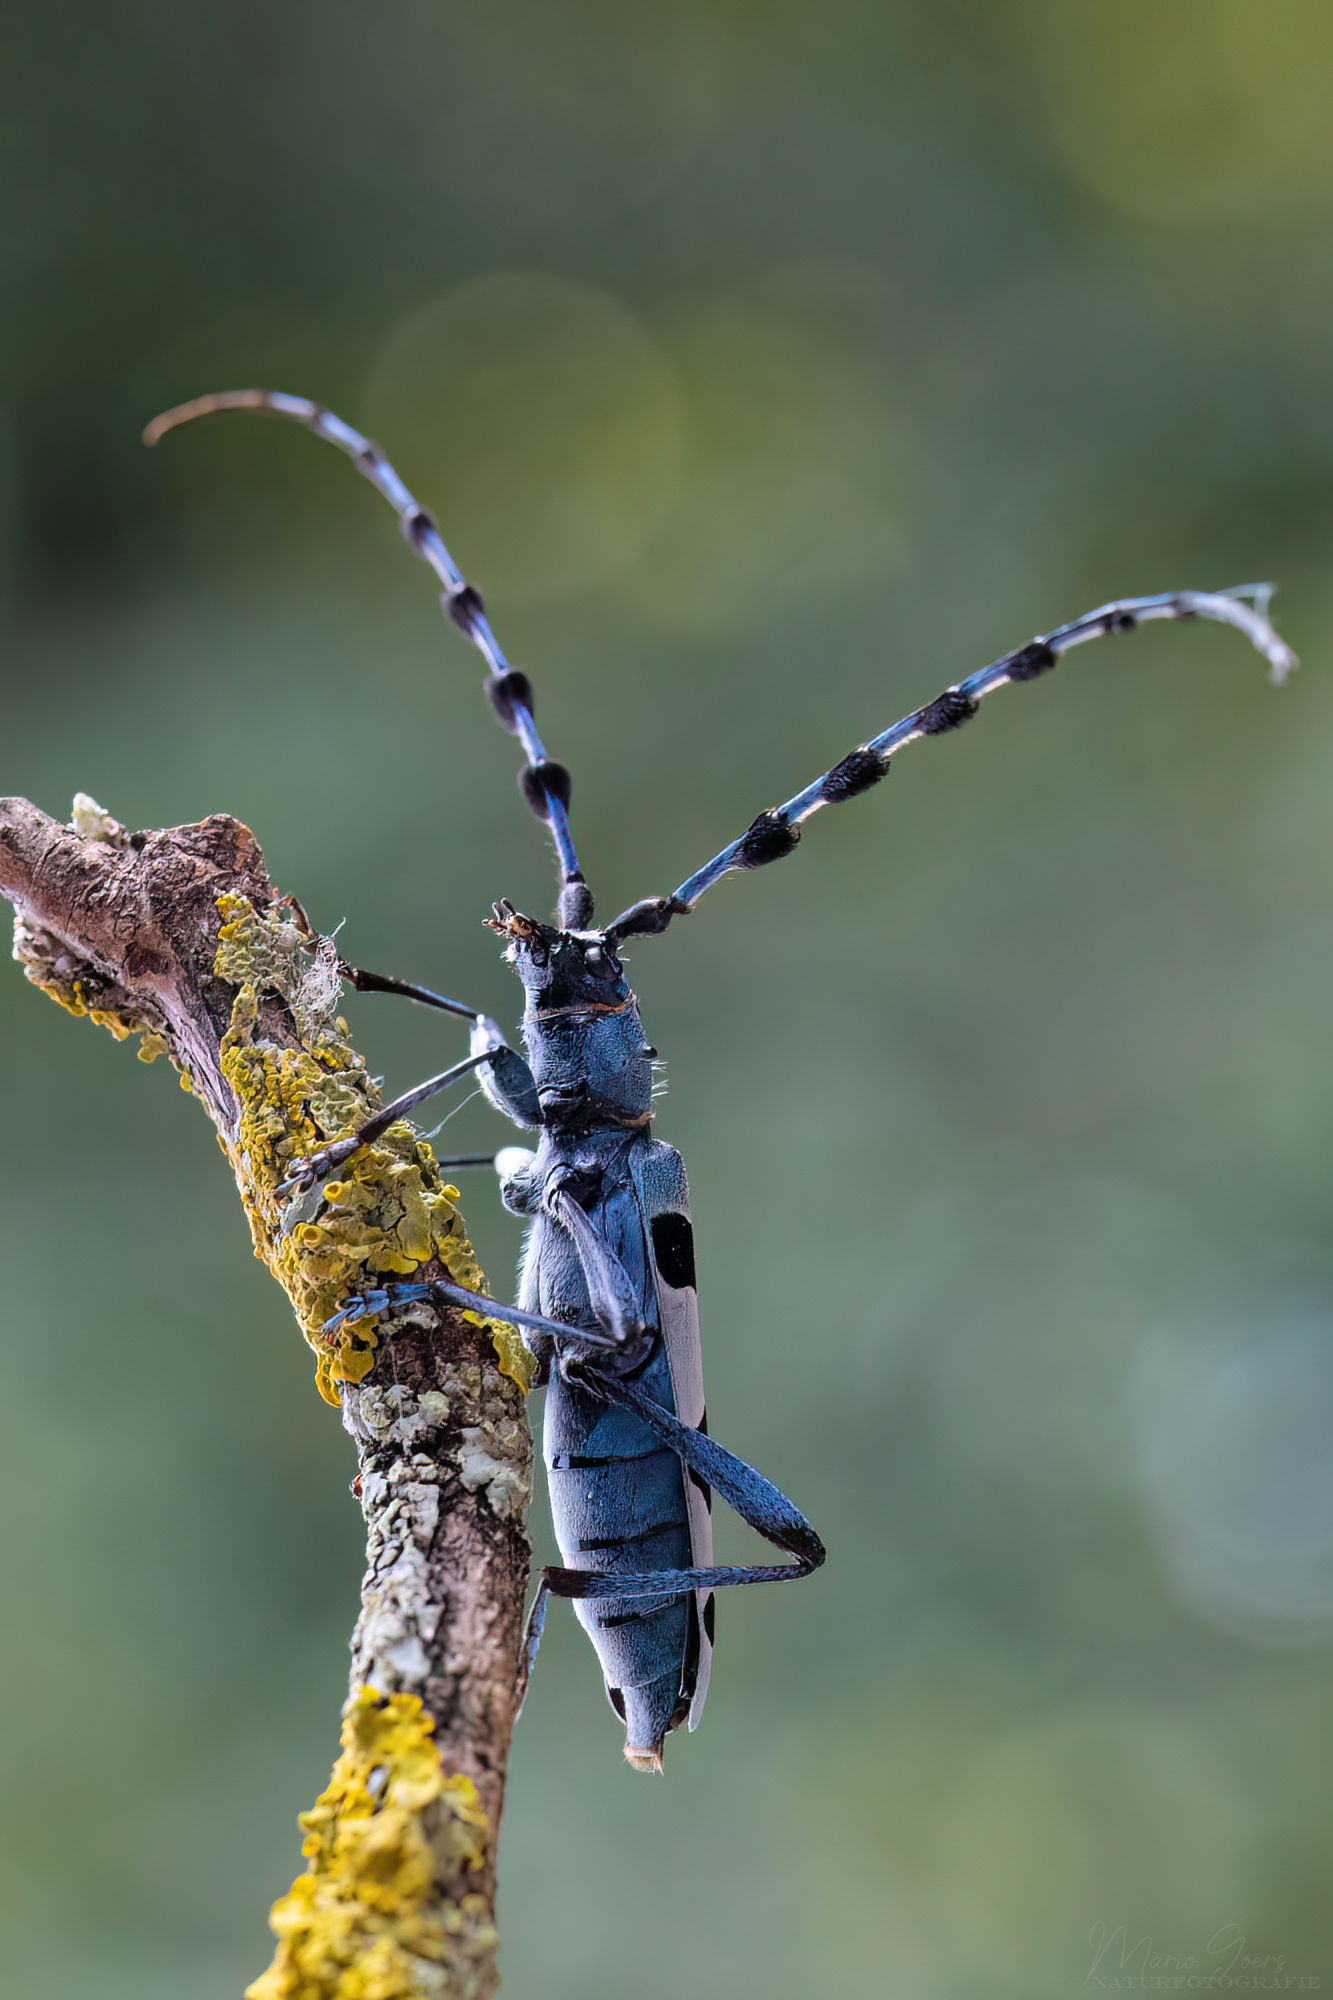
(607, 1292)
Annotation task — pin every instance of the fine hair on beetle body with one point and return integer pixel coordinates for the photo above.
(607, 1299)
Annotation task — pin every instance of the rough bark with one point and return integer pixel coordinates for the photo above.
(179, 936)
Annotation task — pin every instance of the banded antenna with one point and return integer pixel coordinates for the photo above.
(545, 783)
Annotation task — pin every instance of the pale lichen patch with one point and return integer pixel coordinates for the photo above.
(496, 1457)
(93, 822)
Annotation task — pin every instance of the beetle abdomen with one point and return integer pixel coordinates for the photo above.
(618, 1503)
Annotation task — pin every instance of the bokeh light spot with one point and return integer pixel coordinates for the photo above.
(1234, 1437)
(539, 421)
(790, 457)
(1186, 111)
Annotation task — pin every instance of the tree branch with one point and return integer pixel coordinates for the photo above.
(179, 936)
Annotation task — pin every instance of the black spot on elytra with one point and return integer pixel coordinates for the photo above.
(673, 1249)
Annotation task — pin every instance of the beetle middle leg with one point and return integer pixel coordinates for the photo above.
(507, 1084)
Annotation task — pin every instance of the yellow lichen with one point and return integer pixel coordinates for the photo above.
(388, 1212)
(70, 994)
(357, 1925)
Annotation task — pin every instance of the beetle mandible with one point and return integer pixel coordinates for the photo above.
(607, 1298)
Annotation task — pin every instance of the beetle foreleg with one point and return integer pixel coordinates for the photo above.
(610, 1293)
(507, 1085)
(303, 1174)
(379, 982)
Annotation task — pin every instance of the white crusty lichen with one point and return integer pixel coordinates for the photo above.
(403, 1502)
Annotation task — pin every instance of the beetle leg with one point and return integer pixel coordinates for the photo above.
(385, 1298)
(532, 1638)
(379, 982)
(303, 1174)
(610, 1292)
(507, 1086)
(760, 1504)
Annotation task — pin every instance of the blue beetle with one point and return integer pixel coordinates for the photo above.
(608, 1303)
(607, 1299)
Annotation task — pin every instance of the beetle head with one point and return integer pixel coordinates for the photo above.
(573, 969)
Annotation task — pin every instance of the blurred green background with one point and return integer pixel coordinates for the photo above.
(769, 366)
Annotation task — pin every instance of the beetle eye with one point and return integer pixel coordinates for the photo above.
(597, 962)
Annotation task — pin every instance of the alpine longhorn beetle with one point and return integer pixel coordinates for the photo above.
(607, 1299)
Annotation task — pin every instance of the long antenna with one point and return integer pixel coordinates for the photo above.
(775, 832)
(545, 783)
